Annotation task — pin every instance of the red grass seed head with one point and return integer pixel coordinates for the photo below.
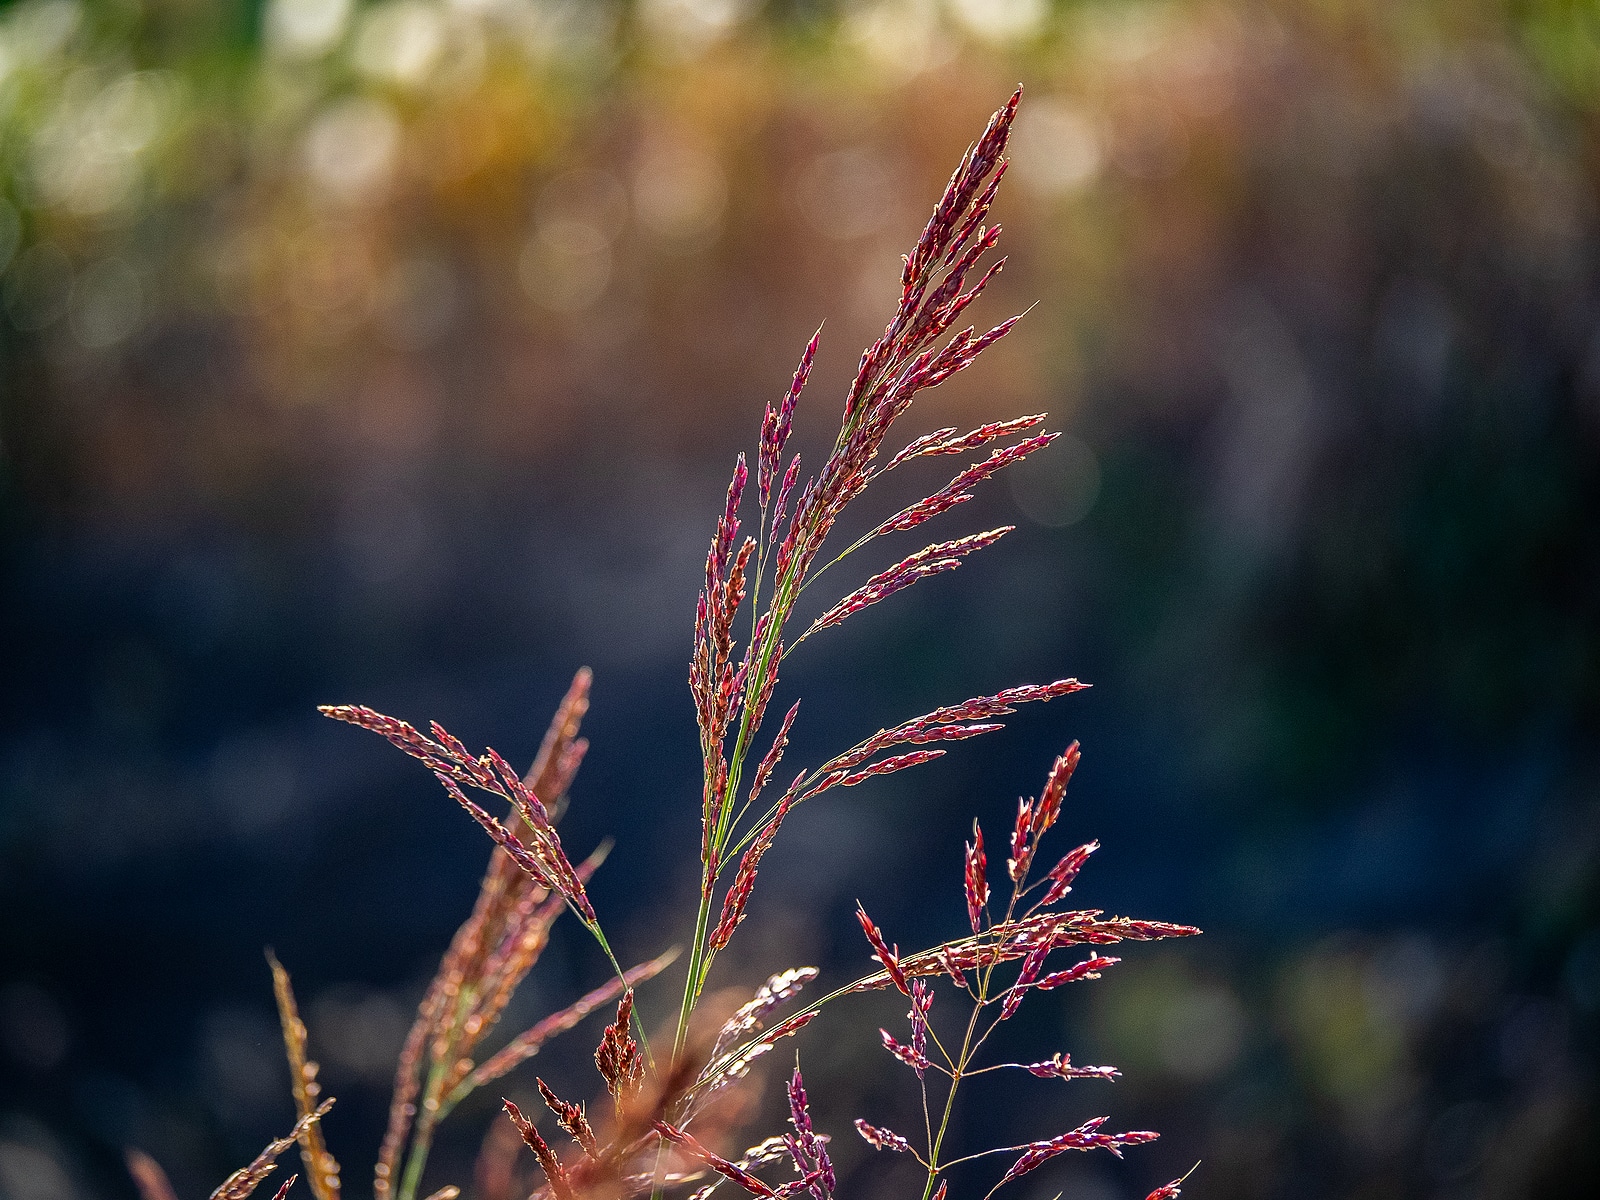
(1089, 968)
(976, 879)
(1021, 841)
(553, 1170)
(889, 959)
(882, 1139)
(1065, 871)
(1059, 1066)
(729, 1170)
(1055, 788)
(1086, 1137)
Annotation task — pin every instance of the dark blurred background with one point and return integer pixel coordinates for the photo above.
(397, 353)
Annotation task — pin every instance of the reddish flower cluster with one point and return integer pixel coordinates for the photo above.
(970, 962)
(1064, 872)
(944, 441)
(881, 951)
(721, 1166)
(646, 1143)
(541, 856)
(1059, 1066)
(571, 1119)
(953, 722)
(553, 1170)
(807, 1147)
(731, 689)
(744, 881)
(777, 990)
(1015, 939)
(959, 489)
(1089, 968)
(917, 1062)
(618, 1058)
(921, 1003)
(882, 1139)
(1086, 1137)
(930, 560)
(1033, 818)
(527, 884)
(977, 880)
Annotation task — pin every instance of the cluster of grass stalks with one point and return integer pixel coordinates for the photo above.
(666, 1114)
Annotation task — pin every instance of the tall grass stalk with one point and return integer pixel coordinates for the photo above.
(664, 1117)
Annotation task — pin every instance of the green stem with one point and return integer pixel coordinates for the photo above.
(622, 977)
(422, 1140)
(701, 956)
(693, 978)
(962, 1059)
(968, 1049)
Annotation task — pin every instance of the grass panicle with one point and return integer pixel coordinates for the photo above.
(664, 1124)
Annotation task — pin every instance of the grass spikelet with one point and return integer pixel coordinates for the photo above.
(1169, 1191)
(807, 1148)
(246, 1179)
(1065, 871)
(1021, 845)
(952, 721)
(752, 1015)
(917, 1062)
(617, 1057)
(959, 489)
(774, 755)
(921, 1004)
(571, 1118)
(880, 1138)
(1011, 941)
(888, 766)
(944, 441)
(1055, 788)
(1086, 1137)
(948, 963)
(733, 1066)
(930, 560)
(525, 1045)
(976, 880)
(722, 1166)
(551, 1165)
(776, 427)
(881, 951)
(542, 857)
(1060, 1067)
(744, 881)
(1031, 966)
(1089, 968)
